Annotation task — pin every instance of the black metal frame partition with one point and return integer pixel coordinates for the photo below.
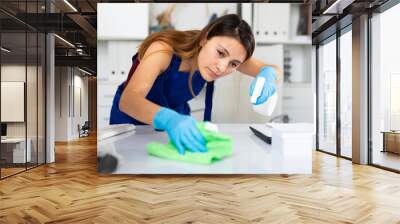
(334, 37)
(44, 78)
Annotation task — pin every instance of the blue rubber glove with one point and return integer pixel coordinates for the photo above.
(181, 129)
(269, 87)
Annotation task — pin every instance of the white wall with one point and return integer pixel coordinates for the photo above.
(33, 126)
(61, 103)
(14, 73)
(17, 73)
(79, 117)
(67, 114)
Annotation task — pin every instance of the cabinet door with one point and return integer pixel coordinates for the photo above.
(116, 60)
(103, 117)
(120, 21)
(266, 26)
(247, 13)
(105, 93)
(113, 61)
(126, 50)
(103, 67)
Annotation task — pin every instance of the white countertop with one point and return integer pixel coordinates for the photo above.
(13, 140)
(250, 155)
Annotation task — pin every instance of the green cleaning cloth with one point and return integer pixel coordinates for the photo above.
(218, 146)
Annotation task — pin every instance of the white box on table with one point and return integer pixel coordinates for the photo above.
(291, 136)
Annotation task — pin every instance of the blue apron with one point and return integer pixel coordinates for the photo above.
(170, 90)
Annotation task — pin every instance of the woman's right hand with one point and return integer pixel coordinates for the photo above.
(181, 129)
(269, 87)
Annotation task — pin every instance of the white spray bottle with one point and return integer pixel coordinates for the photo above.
(266, 108)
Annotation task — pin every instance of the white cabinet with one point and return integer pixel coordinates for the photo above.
(120, 59)
(114, 60)
(247, 12)
(120, 21)
(266, 25)
(278, 23)
(17, 148)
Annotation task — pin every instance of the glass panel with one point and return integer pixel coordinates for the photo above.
(13, 85)
(385, 85)
(31, 100)
(41, 98)
(346, 94)
(31, 85)
(23, 82)
(327, 97)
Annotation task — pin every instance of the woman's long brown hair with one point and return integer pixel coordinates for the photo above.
(187, 44)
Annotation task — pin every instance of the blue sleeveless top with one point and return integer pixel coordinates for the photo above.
(170, 89)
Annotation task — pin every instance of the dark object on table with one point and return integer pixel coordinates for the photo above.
(107, 163)
(266, 137)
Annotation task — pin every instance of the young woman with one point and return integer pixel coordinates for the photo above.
(171, 67)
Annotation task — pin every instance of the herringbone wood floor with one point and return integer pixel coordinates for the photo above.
(71, 191)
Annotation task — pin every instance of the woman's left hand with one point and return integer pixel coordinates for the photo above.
(269, 87)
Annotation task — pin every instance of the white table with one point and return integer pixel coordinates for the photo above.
(250, 155)
(19, 155)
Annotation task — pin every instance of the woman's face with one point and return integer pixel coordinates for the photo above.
(220, 56)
